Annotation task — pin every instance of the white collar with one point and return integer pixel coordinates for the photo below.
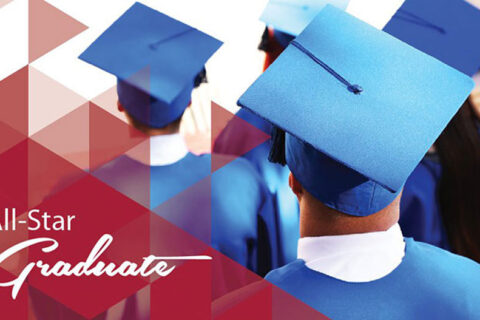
(164, 150)
(359, 257)
(167, 149)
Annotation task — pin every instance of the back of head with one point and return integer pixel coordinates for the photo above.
(318, 219)
(152, 129)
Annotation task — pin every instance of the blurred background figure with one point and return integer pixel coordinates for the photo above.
(275, 176)
(440, 203)
(443, 33)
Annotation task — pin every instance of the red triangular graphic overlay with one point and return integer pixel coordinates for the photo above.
(232, 136)
(48, 28)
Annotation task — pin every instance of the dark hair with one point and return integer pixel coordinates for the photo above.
(459, 188)
(277, 146)
(173, 126)
(265, 42)
(200, 78)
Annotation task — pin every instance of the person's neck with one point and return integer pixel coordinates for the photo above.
(161, 132)
(317, 220)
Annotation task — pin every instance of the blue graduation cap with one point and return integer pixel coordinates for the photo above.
(360, 109)
(156, 60)
(292, 16)
(445, 29)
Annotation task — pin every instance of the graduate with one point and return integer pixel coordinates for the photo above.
(440, 203)
(285, 20)
(351, 134)
(174, 55)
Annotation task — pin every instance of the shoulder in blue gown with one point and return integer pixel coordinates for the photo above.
(420, 216)
(430, 283)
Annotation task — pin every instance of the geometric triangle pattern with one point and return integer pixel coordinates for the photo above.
(109, 137)
(14, 110)
(54, 145)
(68, 137)
(48, 100)
(48, 180)
(48, 28)
(232, 136)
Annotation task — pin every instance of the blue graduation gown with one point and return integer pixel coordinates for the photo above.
(276, 179)
(430, 283)
(420, 216)
(235, 199)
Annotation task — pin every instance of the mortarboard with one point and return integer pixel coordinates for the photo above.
(360, 109)
(445, 29)
(156, 60)
(292, 16)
